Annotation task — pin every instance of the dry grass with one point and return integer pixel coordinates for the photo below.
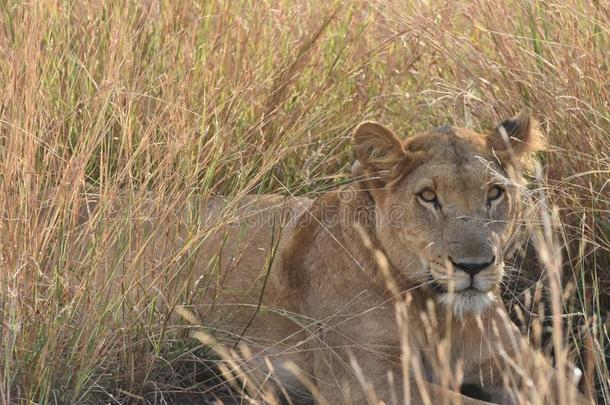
(179, 99)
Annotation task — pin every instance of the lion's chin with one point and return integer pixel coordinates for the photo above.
(467, 302)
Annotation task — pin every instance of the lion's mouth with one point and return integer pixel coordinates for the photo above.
(469, 291)
(466, 300)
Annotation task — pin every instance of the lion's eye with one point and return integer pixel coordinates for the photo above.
(494, 193)
(428, 196)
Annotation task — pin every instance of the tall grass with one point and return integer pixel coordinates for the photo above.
(155, 102)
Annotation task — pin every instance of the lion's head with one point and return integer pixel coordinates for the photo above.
(450, 198)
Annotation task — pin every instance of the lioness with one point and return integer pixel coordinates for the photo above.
(386, 289)
(428, 218)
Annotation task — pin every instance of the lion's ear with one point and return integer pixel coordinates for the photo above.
(516, 138)
(376, 148)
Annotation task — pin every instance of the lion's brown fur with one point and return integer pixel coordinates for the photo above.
(340, 272)
(319, 287)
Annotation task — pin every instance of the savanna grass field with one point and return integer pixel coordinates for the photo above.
(157, 103)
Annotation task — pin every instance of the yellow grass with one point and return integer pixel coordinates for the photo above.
(161, 101)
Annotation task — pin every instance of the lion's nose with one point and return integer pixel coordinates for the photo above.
(472, 268)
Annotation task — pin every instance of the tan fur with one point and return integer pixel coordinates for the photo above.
(334, 270)
(335, 261)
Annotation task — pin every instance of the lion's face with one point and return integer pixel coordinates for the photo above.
(455, 213)
(446, 197)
